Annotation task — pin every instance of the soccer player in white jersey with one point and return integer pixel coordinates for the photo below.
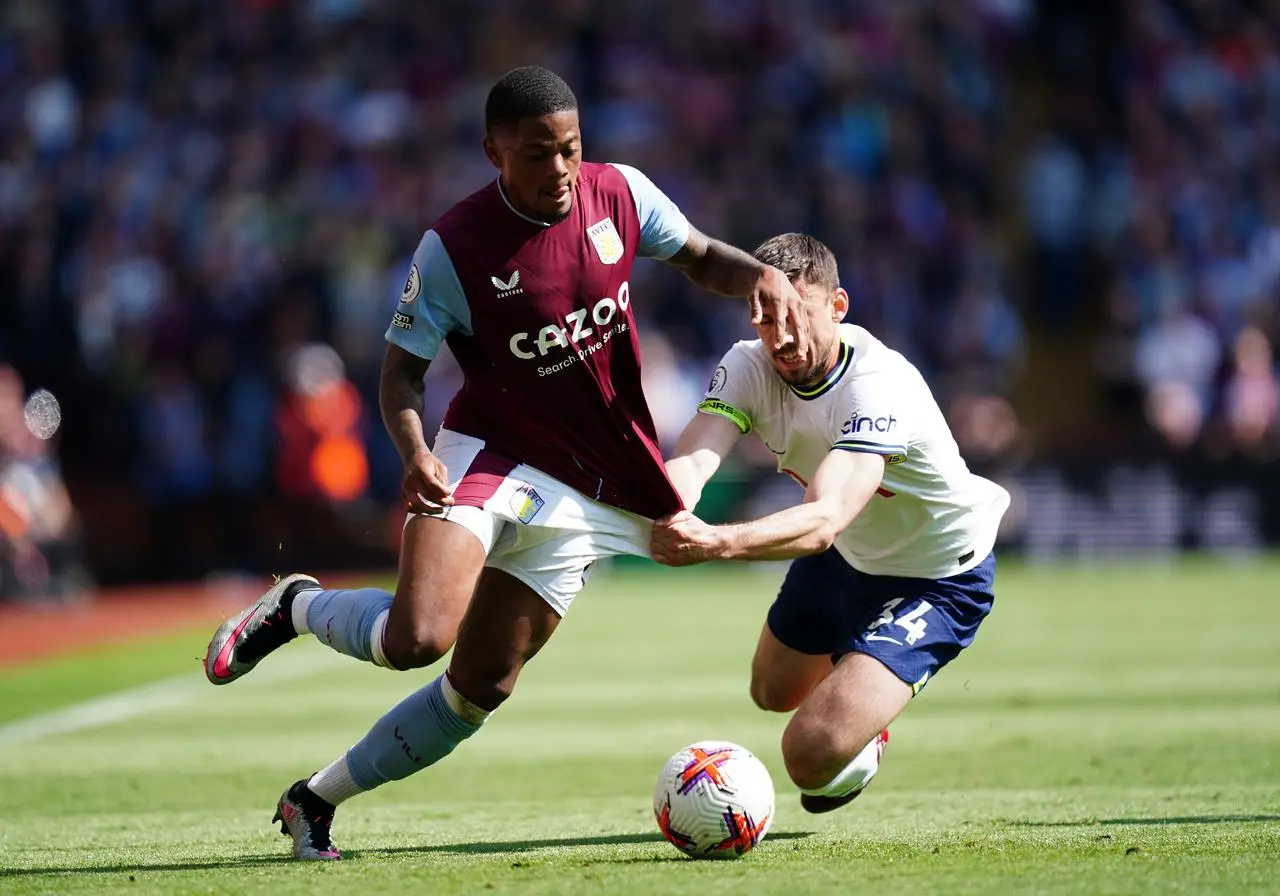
(892, 567)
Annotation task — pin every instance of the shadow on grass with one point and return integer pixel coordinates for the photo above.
(526, 846)
(142, 867)
(486, 848)
(1178, 819)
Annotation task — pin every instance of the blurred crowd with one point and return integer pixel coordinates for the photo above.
(1190, 222)
(207, 211)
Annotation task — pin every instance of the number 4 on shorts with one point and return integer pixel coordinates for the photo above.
(910, 623)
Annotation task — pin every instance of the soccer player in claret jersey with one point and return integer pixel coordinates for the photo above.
(893, 568)
(547, 460)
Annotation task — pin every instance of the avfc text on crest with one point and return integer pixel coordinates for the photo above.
(525, 503)
(608, 245)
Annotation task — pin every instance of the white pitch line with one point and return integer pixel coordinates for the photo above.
(144, 700)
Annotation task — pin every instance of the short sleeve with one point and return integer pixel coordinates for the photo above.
(735, 388)
(432, 303)
(877, 422)
(663, 227)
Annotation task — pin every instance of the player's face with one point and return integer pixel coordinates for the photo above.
(539, 160)
(824, 310)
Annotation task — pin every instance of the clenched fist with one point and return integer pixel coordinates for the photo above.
(682, 539)
(425, 487)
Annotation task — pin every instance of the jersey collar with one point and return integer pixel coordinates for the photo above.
(503, 193)
(828, 382)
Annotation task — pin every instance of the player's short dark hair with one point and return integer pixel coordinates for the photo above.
(530, 91)
(800, 257)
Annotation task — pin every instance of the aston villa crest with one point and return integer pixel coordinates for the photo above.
(606, 240)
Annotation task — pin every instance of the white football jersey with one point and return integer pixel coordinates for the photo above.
(931, 517)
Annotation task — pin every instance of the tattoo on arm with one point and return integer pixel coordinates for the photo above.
(400, 399)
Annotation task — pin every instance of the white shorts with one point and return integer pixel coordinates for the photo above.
(533, 526)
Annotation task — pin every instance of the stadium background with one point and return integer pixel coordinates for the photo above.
(1066, 213)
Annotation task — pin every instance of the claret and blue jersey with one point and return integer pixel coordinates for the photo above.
(539, 317)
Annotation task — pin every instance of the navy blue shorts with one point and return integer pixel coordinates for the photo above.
(913, 626)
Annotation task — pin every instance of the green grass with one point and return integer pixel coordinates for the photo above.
(1112, 731)
(48, 684)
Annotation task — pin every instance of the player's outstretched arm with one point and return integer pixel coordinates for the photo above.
(425, 487)
(705, 442)
(842, 485)
(727, 270)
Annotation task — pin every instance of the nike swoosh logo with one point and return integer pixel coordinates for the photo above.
(222, 664)
(883, 638)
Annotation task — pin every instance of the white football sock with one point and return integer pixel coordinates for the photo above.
(853, 776)
(376, 648)
(334, 783)
(298, 610)
(461, 706)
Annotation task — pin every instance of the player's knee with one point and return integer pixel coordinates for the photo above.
(415, 647)
(774, 696)
(812, 755)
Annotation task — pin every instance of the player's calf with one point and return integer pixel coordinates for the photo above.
(848, 783)
(816, 755)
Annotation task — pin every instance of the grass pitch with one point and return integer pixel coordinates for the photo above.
(1111, 731)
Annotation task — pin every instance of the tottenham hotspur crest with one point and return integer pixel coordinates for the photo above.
(606, 240)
